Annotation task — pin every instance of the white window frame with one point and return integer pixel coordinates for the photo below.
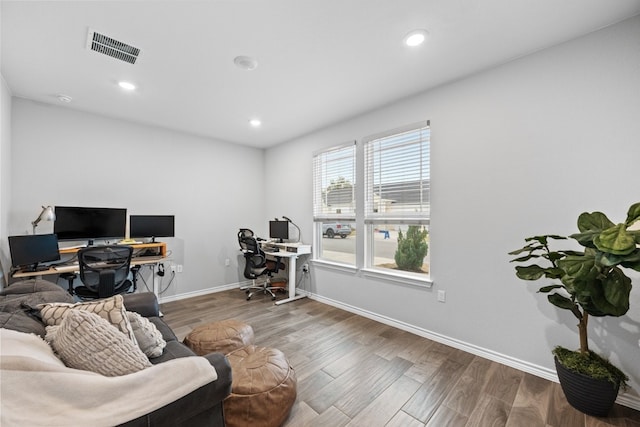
(422, 214)
(365, 218)
(320, 212)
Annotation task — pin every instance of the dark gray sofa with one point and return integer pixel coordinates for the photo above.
(202, 407)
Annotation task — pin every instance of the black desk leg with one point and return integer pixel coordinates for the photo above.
(134, 273)
(70, 277)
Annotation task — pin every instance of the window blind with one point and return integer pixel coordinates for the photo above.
(397, 176)
(334, 183)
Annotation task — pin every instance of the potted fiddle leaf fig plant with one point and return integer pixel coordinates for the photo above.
(588, 282)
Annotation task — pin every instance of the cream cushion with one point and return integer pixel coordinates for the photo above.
(86, 341)
(149, 338)
(111, 309)
(39, 391)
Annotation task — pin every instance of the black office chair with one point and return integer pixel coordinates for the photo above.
(257, 264)
(104, 271)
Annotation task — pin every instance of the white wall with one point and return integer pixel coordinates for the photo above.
(65, 157)
(5, 177)
(518, 150)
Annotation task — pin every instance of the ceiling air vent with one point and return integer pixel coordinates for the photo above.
(112, 47)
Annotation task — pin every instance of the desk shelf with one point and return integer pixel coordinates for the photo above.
(137, 246)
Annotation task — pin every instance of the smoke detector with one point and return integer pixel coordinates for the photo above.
(111, 47)
(64, 98)
(245, 62)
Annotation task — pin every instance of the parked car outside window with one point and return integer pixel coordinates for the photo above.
(332, 229)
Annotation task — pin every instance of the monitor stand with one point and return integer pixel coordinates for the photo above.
(35, 268)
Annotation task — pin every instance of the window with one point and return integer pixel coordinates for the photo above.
(334, 204)
(391, 209)
(397, 200)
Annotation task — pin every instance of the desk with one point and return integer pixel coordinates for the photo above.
(291, 251)
(74, 268)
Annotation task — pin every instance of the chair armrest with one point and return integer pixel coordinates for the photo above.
(223, 369)
(144, 303)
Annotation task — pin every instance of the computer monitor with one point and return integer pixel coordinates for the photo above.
(279, 230)
(30, 250)
(151, 226)
(80, 223)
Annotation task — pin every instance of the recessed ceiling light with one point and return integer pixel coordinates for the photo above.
(127, 85)
(415, 37)
(255, 123)
(245, 62)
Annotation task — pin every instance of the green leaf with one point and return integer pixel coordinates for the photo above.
(632, 262)
(579, 267)
(544, 239)
(554, 273)
(610, 260)
(633, 214)
(554, 256)
(530, 272)
(547, 289)
(617, 288)
(610, 295)
(529, 248)
(525, 258)
(596, 221)
(616, 240)
(586, 238)
(576, 253)
(561, 302)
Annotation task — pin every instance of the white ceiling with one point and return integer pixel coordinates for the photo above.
(320, 61)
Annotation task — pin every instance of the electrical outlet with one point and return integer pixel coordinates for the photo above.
(179, 268)
(227, 262)
(442, 296)
(173, 268)
(305, 268)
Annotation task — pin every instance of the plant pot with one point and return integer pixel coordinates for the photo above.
(588, 395)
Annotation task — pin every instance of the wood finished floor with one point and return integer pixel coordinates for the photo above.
(353, 371)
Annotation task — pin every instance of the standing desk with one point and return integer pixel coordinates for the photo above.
(291, 251)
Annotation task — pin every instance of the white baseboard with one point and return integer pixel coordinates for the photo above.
(624, 399)
(203, 292)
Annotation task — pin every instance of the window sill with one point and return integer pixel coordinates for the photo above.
(330, 265)
(405, 279)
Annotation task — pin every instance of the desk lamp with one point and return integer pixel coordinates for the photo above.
(294, 224)
(48, 214)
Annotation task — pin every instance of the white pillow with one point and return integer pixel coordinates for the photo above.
(149, 338)
(86, 341)
(111, 309)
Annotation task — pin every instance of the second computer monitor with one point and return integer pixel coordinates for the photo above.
(151, 226)
(279, 230)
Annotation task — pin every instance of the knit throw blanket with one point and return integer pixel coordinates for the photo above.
(36, 389)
